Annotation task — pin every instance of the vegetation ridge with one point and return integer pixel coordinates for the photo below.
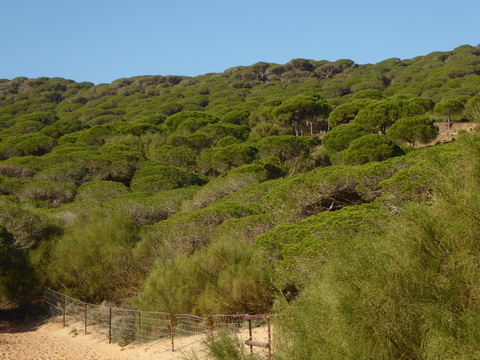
(322, 191)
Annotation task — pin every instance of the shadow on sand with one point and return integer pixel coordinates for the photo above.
(21, 318)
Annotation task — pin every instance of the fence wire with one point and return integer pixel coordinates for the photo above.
(124, 326)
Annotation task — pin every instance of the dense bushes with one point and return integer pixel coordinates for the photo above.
(92, 259)
(225, 278)
(16, 275)
(201, 195)
(370, 148)
(409, 293)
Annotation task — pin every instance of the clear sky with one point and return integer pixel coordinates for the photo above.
(103, 40)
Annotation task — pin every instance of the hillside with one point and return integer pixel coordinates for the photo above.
(298, 189)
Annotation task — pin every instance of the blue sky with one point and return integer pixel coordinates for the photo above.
(100, 41)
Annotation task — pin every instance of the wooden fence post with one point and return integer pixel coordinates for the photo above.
(64, 309)
(172, 331)
(110, 326)
(250, 334)
(139, 326)
(269, 338)
(252, 342)
(85, 315)
(210, 320)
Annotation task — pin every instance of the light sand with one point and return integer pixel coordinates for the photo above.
(51, 341)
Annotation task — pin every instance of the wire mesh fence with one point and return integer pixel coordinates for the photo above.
(123, 326)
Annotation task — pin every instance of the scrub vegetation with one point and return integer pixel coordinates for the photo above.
(319, 191)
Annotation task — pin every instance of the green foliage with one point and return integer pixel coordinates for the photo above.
(236, 117)
(220, 160)
(26, 144)
(413, 130)
(226, 141)
(226, 347)
(24, 127)
(303, 114)
(56, 193)
(15, 271)
(409, 293)
(10, 186)
(100, 191)
(184, 233)
(44, 117)
(148, 209)
(137, 146)
(12, 169)
(219, 131)
(326, 189)
(144, 143)
(153, 177)
(26, 226)
(373, 147)
(380, 115)
(92, 259)
(295, 252)
(173, 122)
(62, 127)
(415, 183)
(449, 108)
(97, 135)
(66, 172)
(173, 156)
(472, 108)
(235, 180)
(345, 113)
(368, 94)
(285, 147)
(340, 137)
(225, 278)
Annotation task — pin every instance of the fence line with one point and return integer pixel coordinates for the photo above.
(124, 326)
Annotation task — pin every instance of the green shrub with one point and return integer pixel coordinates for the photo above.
(27, 227)
(185, 232)
(173, 121)
(220, 160)
(409, 293)
(101, 191)
(64, 172)
(62, 127)
(225, 278)
(413, 130)
(148, 209)
(15, 170)
(26, 144)
(16, 278)
(56, 193)
(173, 156)
(340, 137)
(368, 148)
(236, 179)
(99, 248)
(154, 177)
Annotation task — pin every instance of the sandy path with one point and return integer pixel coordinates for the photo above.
(51, 341)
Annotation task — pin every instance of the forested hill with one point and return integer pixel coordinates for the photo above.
(318, 190)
